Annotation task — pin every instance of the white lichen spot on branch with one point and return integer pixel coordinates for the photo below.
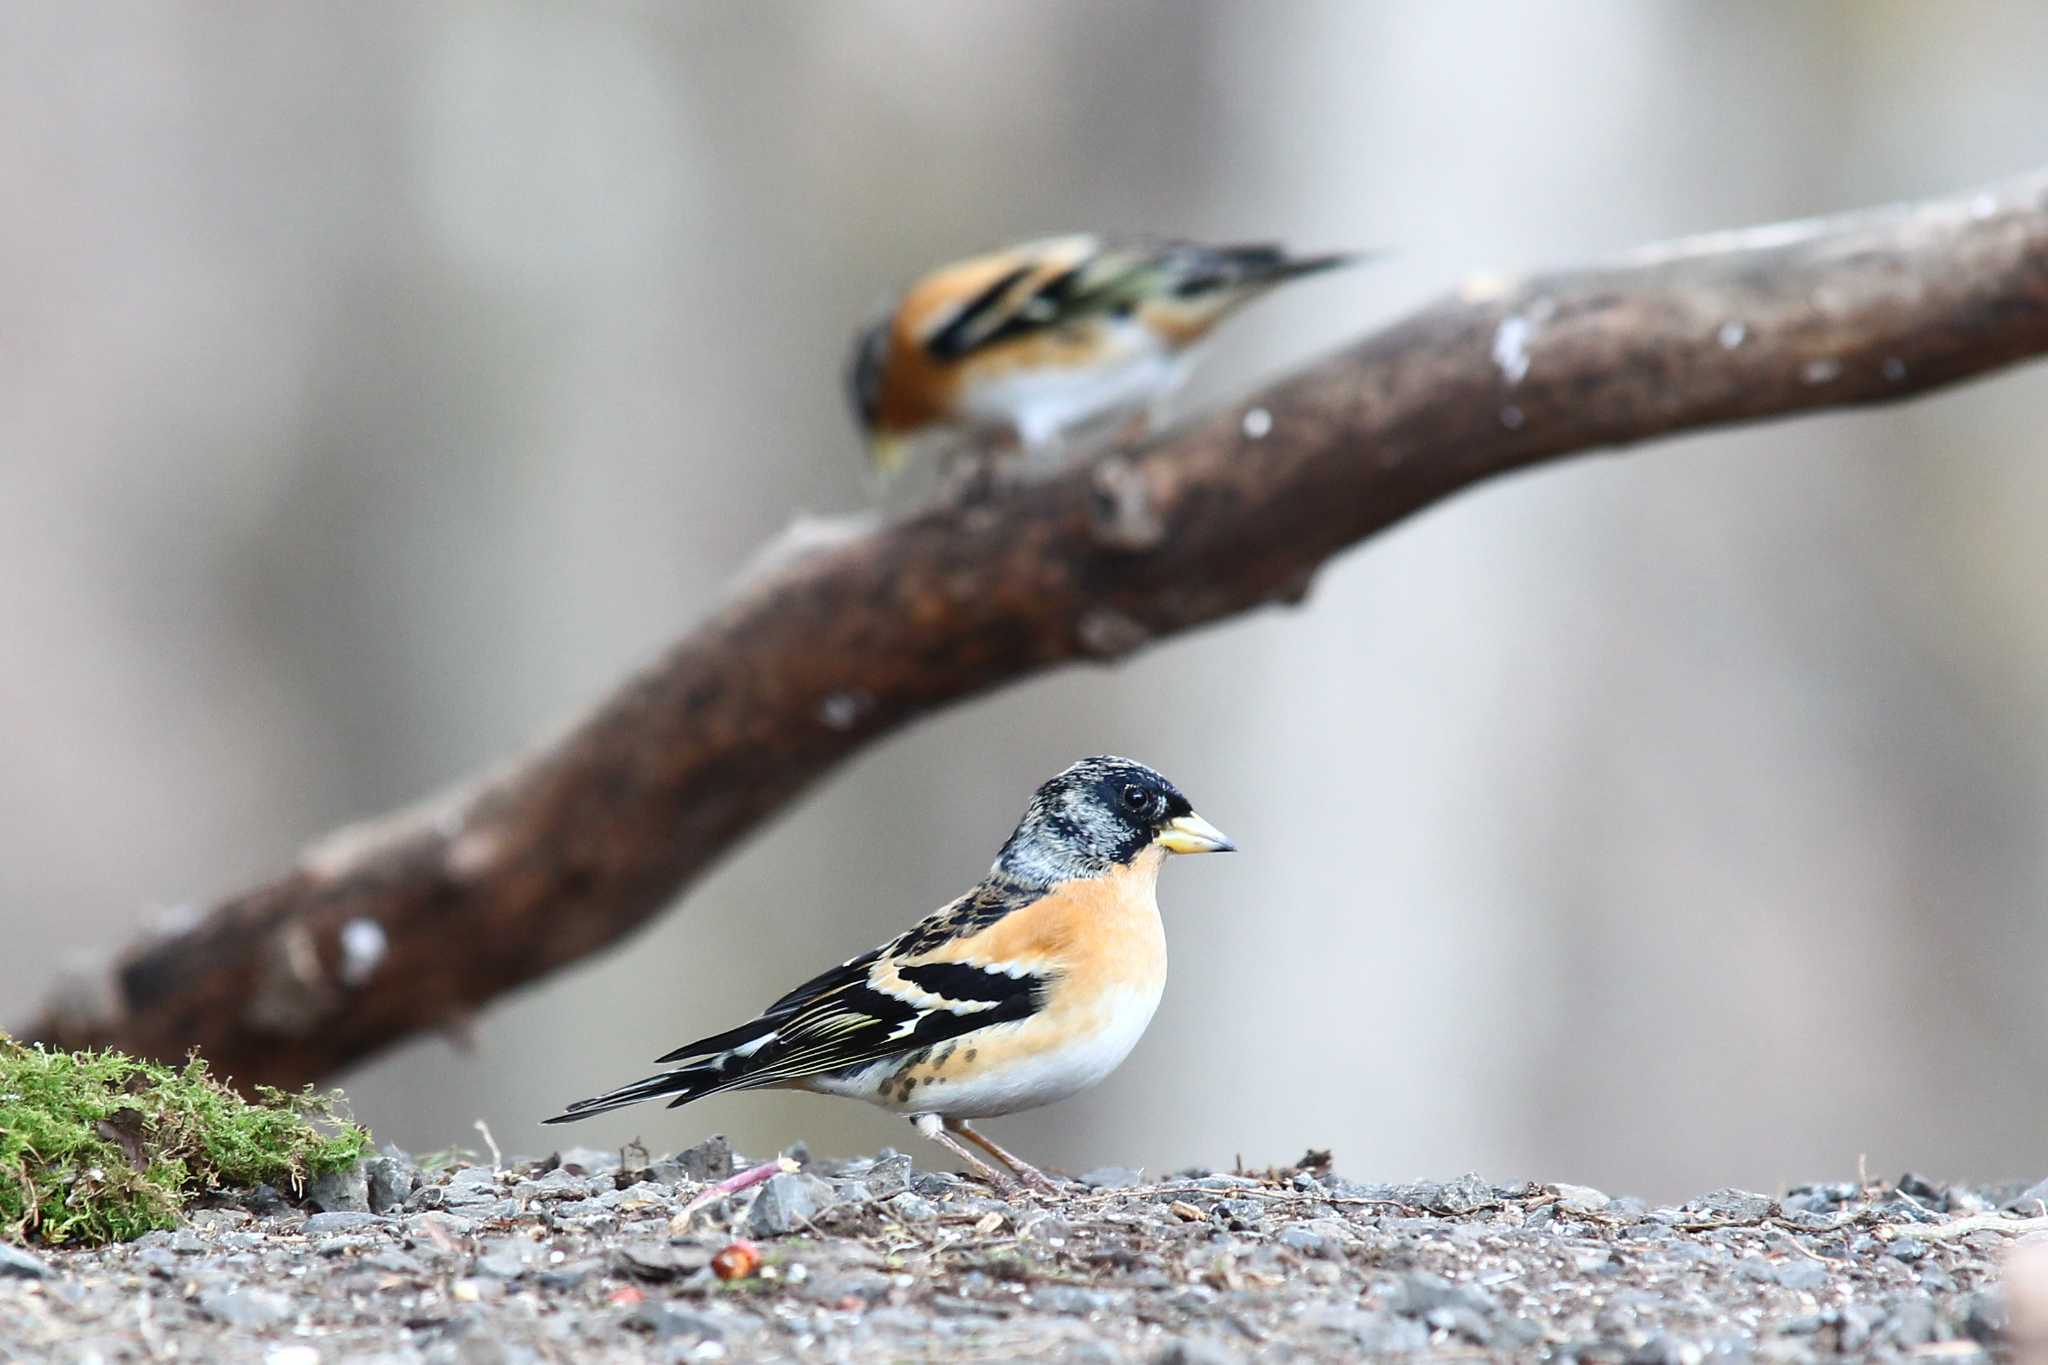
(1732, 335)
(1107, 633)
(363, 946)
(1826, 370)
(1257, 424)
(1511, 347)
(843, 710)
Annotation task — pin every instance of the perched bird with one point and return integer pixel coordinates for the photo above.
(1044, 340)
(1030, 987)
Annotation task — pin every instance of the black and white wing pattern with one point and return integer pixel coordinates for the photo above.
(885, 1003)
(1063, 281)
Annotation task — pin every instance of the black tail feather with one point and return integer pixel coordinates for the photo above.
(1254, 265)
(685, 1083)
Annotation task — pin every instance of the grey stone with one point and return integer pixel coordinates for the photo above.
(940, 1185)
(1420, 1293)
(2032, 1200)
(392, 1260)
(263, 1200)
(1579, 1198)
(1075, 1300)
(1113, 1178)
(1731, 1206)
(1461, 1322)
(786, 1203)
(19, 1265)
(1908, 1249)
(501, 1265)
(1926, 1191)
(1315, 1237)
(1757, 1270)
(1985, 1318)
(186, 1242)
(255, 1309)
(328, 1224)
(643, 1192)
(1856, 1323)
(558, 1184)
(343, 1191)
(1802, 1274)
(1934, 1279)
(888, 1177)
(1376, 1334)
(668, 1320)
(1912, 1323)
(1465, 1195)
(913, 1208)
(660, 1260)
(388, 1183)
(472, 1187)
(568, 1275)
(709, 1160)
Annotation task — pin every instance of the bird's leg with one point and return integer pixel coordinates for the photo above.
(1027, 1172)
(933, 1127)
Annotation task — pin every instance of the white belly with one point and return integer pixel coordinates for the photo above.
(1018, 1073)
(1043, 1076)
(1041, 405)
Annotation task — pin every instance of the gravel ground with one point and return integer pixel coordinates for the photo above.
(590, 1257)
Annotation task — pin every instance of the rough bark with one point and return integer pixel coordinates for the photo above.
(836, 644)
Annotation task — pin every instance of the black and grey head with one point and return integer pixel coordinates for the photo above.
(866, 372)
(1101, 814)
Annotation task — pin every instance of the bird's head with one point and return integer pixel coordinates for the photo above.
(1101, 814)
(867, 378)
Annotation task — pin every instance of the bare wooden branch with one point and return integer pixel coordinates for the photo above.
(840, 642)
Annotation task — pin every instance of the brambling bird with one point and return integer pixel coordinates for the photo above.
(1043, 340)
(1032, 986)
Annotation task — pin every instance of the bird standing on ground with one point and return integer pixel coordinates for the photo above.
(1049, 339)
(1031, 987)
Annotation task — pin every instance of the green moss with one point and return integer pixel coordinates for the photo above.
(98, 1147)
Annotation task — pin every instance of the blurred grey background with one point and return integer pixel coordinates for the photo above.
(378, 382)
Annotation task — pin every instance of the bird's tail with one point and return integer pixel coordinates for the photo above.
(1258, 266)
(685, 1083)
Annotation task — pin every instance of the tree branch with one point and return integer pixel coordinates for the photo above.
(839, 643)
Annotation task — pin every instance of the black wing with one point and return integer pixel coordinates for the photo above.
(882, 1004)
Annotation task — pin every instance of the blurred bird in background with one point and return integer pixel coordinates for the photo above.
(1051, 342)
(1031, 987)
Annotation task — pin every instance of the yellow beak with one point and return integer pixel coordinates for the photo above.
(888, 454)
(1192, 834)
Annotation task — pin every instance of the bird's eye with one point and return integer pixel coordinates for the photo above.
(1135, 798)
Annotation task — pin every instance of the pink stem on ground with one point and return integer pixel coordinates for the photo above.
(733, 1184)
